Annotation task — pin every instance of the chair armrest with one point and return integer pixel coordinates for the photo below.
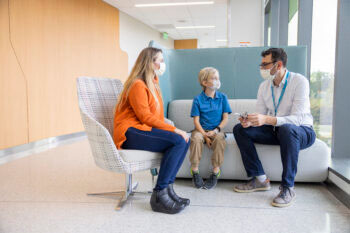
(103, 149)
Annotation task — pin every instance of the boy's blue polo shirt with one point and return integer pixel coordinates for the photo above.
(210, 110)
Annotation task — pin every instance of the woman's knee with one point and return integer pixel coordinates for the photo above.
(178, 140)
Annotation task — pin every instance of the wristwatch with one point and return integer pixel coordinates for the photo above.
(218, 128)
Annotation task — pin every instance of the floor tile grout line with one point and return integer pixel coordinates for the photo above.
(204, 206)
(266, 208)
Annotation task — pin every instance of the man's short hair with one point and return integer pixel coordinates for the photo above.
(277, 54)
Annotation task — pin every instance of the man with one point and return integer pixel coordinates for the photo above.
(283, 118)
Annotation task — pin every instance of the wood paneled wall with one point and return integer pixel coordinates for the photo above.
(186, 44)
(13, 92)
(55, 42)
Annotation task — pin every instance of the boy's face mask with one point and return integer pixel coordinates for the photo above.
(216, 85)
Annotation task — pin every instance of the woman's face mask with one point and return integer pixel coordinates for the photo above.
(161, 70)
(159, 65)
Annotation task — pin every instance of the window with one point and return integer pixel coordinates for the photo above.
(324, 22)
(293, 22)
(269, 29)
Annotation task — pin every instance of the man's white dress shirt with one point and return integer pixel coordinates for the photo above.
(294, 107)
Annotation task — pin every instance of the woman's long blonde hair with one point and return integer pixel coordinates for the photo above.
(143, 69)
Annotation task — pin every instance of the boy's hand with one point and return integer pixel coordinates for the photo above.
(211, 133)
(208, 141)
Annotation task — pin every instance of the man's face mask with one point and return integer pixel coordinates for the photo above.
(266, 73)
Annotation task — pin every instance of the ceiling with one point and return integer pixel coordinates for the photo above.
(166, 18)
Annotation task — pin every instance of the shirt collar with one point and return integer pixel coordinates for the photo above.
(207, 97)
(283, 80)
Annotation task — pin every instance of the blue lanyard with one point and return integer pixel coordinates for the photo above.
(281, 96)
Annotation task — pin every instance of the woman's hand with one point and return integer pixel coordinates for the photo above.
(182, 133)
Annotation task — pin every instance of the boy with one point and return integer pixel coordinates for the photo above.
(210, 112)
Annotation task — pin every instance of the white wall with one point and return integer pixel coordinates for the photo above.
(135, 36)
(247, 24)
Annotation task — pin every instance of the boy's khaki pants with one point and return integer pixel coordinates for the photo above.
(196, 148)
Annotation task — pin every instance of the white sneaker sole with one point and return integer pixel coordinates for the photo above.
(251, 190)
(281, 205)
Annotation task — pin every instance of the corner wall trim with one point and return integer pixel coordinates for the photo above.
(16, 152)
(342, 196)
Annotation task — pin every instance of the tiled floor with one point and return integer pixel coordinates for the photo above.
(46, 192)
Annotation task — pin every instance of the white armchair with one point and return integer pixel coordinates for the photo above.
(97, 98)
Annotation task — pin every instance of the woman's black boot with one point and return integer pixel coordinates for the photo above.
(162, 202)
(176, 198)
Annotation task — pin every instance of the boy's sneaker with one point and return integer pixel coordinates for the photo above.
(212, 181)
(197, 179)
(284, 198)
(252, 186)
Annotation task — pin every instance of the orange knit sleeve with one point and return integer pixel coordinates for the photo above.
(138, 99)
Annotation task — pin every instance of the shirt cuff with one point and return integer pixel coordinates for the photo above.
(280, 121)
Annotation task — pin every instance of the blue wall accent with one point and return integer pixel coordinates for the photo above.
(238, 68)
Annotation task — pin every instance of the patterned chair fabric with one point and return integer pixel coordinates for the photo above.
(97, 98)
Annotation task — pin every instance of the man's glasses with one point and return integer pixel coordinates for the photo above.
(263, 65)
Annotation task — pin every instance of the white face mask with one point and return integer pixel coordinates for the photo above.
(216, 85)
(266, 74)
(161, 69)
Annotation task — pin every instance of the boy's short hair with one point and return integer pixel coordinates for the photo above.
(205, 73)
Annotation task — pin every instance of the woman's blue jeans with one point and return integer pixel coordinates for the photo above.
(172, 145)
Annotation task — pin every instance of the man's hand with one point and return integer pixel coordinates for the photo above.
(244, 122)
(257, 119)
(208, 141)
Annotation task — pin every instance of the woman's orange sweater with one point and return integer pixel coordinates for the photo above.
(139, 111)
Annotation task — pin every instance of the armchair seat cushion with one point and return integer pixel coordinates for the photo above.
(130, 156)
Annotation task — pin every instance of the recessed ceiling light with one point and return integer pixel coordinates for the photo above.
(195, 27)
(174, 4)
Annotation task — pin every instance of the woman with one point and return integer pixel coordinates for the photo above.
(139, 124)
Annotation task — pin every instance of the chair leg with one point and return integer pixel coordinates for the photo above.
(124, 195)
(154, 173)
(135, 185)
